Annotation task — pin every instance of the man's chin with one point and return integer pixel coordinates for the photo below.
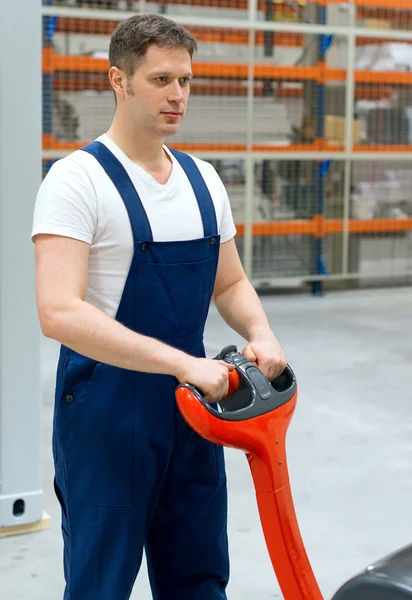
(170, 131)
(171, 128)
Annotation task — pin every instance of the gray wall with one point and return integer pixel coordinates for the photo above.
(20, 173)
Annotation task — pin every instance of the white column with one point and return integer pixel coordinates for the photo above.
(21, 498)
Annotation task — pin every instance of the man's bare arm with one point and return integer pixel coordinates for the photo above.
(61, 284)
(241, 308)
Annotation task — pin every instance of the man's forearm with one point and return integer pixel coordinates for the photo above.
(241, 308)
(90, 332)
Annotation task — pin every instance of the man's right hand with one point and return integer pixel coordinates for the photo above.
(209, 376)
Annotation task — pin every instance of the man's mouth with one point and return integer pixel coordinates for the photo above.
(173, 115)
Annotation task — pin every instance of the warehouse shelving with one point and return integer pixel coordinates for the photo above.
(67, 66)
(228, 36)
(79, 73)
(399, 5)
(218, 4)
(55, 62)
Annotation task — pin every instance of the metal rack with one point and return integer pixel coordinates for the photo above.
(252, 79)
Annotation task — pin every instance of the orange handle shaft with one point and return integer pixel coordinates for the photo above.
(277, 514)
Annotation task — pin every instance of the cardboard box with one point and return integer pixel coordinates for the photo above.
(335, 129)
(377, 24)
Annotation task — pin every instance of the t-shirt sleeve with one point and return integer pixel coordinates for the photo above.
(66, 203)
(227, 228)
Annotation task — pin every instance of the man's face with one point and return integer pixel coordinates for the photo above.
(157, 94)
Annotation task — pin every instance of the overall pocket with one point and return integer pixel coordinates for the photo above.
(76, 375)
(174, 299)
(96, 437)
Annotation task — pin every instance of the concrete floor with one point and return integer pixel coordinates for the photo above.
(349, 449)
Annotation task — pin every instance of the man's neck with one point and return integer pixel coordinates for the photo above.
(140, 148)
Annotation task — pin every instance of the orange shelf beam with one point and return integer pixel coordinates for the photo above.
(367, 92)
(286, 72)
(379, 226)
(389, 148)
(319, 227)
(396, 17)
(364, 41)
(84, 64)
(383, 77)
(85, 26)
(50, 143)
(381, 4)
(87, 64)
(385, 4)
(64, 83)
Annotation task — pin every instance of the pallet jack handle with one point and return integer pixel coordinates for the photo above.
(254, 417)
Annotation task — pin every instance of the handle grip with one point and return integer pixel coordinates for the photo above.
(253, 395)
(234, 383)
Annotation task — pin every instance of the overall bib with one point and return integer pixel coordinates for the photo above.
(129, 472)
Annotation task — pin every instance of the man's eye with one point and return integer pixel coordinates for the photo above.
(185, 80)
(161, 79)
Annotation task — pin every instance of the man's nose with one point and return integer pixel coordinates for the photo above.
(175, 93)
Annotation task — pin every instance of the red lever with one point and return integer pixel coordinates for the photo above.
(234, 382)
(263, 439)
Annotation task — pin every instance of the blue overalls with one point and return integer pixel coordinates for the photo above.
(129, 472)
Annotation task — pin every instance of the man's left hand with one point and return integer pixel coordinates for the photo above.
(268, 354)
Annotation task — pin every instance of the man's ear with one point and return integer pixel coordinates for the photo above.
(118, 81)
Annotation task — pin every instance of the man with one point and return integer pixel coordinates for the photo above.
(132, 240)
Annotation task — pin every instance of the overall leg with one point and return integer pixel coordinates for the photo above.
(103, 545)
(187, 546)
(110, 464)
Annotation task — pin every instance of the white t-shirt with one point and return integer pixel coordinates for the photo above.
(78, 200)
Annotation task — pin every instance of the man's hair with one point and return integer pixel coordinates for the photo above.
(132, 38)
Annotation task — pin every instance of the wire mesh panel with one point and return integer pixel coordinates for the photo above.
(387, 14)
(299, 91)
(381, 218)
(286, 11)
(278, 94)
(284, 91)
(78, 103)
(230, 9)
(383, 93)
(233, 174)
(224, 9)
(303, 11)
(97, 4)
(283, 11)
(217, 114)
(331, 240)
(296, 204)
